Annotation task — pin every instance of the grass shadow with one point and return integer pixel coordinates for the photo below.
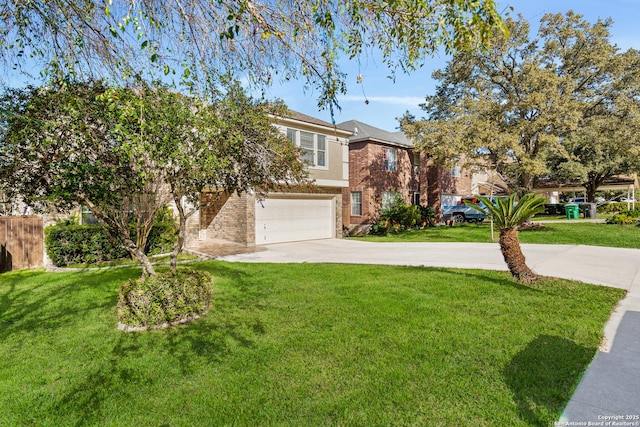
(131, 362)
(543, 375)
(486, 276)
(36, 301)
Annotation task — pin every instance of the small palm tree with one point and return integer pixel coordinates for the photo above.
(507, 216)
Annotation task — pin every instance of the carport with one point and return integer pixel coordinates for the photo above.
(551, 189)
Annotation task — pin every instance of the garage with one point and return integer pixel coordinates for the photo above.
(293, 219)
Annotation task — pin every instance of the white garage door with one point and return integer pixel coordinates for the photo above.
(290, 220)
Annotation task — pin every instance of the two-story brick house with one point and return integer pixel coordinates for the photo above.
(385, 164)
(382, 165)
(297, 214)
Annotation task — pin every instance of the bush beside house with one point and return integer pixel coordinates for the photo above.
(397, 217)
(70, 243)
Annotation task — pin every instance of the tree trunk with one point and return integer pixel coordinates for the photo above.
(181, 233)
(122, 231)
(526, 184)
(143, 259)
(591, 186)
(512, 253)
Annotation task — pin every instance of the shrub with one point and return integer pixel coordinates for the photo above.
(166, 299)
(379, 228)
(70, 243)
(164, 233)
(427, 216)
(634, 213)
(78, 244)
(400, 216)
(612, 207)
(621, 218)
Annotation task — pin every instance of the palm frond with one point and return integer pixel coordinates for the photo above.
(506, 212)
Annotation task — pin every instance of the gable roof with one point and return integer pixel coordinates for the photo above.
(365, 132)
(300, 117)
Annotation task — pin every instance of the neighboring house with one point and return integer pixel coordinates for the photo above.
(487, 182)
(293, 215)
(453, 183)
(382, 165)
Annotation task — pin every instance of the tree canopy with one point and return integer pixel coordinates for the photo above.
(124, 153)
(62, 146)
(193, 42)
(526, 99)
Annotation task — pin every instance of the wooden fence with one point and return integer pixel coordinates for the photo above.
(20, 242)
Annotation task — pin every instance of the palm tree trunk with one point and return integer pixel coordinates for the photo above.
(512, 253)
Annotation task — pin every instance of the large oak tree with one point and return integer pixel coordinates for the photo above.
(516, 104)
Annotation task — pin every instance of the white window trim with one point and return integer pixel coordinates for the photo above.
(356, 204)
(386, 167)
(455, 171)
(315, 147)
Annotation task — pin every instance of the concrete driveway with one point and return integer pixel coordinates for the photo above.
(611, 385)
(614, 267)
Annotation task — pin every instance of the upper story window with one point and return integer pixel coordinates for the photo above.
(455, 171)
(389, 159)
(313, 146)
(416, 164)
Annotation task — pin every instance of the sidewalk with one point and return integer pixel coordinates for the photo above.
(611, 385)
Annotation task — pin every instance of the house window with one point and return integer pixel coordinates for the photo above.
(416, 199)
(321, 150)
(313, 146)
(292, 136)
(455, 171)
(86, 217)
(356, 203)
(389, 160)
(388, 199)
(416, 164)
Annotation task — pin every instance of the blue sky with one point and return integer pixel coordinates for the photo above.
(389, 100)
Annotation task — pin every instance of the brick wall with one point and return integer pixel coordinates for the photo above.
(231, 218)
(367, 175)
(457, 186)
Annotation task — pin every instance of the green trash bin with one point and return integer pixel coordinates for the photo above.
(572, 211)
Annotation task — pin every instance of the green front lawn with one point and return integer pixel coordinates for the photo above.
(577, 233)
(300, 345)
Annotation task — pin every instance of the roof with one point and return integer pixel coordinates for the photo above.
(295, 115)
(619, 182)
(365, 132)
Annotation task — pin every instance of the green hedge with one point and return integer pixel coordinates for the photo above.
(612, 207)
(164, 234)
(624, 217)
(80, 244)
(69, 243)
(399, 216)
(164, 299)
